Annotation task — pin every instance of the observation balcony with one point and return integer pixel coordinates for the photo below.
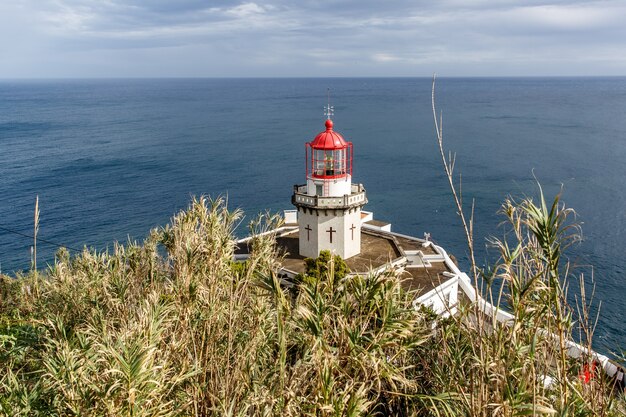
(356, 198)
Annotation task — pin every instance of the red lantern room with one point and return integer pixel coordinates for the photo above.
(329, 156)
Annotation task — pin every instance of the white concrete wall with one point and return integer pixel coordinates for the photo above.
(346, 241)
(335, 187)
(290, 216)
(442, 299)
(382, 228)
(367, 216)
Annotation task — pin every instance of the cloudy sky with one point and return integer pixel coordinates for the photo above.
(300, 38)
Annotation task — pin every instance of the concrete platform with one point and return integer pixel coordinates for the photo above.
(419, 264)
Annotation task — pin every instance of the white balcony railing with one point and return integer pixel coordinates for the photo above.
(355, 198)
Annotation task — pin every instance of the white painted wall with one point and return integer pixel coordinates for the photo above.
(290, 216)
(335, 188)
(442, 299)
(367, 216)
(346, 243)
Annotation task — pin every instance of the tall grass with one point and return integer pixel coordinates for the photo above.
(522, 367)
(174, 327)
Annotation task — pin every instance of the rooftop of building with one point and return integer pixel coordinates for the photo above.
(421, 265)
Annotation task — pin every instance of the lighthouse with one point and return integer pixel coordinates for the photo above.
(329, 215)
(329, 204)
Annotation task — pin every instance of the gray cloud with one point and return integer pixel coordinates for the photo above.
(311, 38)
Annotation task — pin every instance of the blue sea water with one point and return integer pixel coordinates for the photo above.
(111, 159)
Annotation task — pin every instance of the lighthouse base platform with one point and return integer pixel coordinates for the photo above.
(422, 266)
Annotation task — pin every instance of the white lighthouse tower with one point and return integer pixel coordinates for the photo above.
(329, 205)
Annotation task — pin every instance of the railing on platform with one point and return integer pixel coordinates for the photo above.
(355, 198)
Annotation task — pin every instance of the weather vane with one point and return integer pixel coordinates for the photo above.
(328, 109)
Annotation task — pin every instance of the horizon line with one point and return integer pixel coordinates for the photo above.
(68, 78)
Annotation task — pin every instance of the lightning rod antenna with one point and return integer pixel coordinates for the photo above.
(328, 109)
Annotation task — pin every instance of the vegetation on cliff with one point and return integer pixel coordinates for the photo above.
(174, 327)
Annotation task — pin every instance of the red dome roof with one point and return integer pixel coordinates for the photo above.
(329, 139)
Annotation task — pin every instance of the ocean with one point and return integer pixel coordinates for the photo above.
(111, 159)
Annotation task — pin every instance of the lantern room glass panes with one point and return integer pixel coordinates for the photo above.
(329, 163)
(318, 162)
